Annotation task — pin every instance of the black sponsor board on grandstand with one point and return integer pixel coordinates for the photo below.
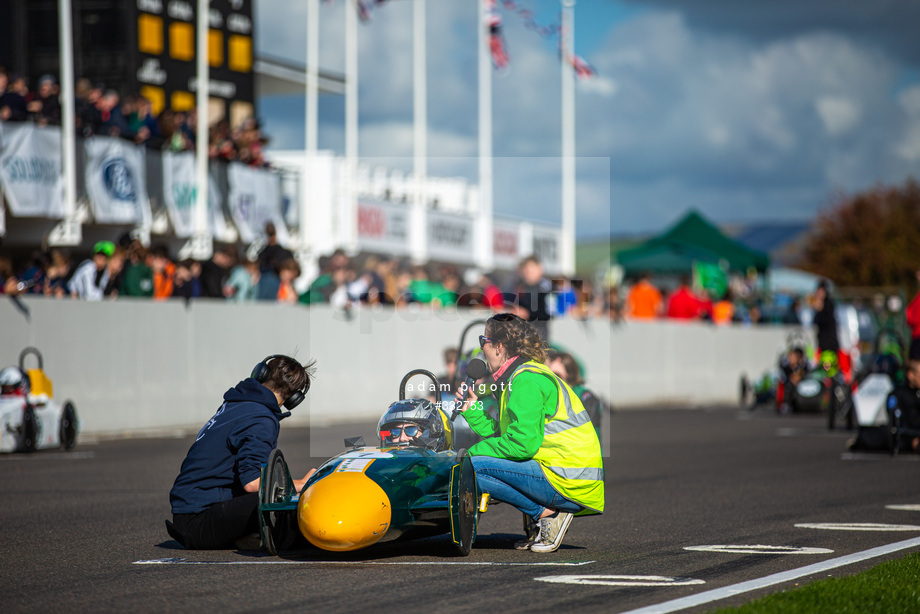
(146, 46)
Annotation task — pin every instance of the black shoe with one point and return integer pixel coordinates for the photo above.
(174, 533)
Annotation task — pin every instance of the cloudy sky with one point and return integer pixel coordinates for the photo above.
(745, 111)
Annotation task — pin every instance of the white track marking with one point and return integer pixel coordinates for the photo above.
(869, 456)
(912, 507)
(759, 549)
(622, 580)
(857, 526)
(808, 432)
(37, 456)
(675, 605)
(288, 562)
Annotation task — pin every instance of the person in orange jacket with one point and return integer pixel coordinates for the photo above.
(164, 273)
(723, 310)
(644, 300)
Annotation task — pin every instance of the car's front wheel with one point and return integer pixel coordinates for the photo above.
(69, 426)
(28, 441)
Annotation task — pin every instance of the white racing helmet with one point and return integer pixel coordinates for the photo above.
(433, 429)
(13, 380)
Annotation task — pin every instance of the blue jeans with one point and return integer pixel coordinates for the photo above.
(521, 484)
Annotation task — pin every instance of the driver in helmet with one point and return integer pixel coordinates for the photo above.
(887, 364)
(794, 367)
(905, 400)
(14, 382)
(404, 432)
(416, 422)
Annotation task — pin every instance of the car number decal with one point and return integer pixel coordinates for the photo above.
(367, 454)
(357, 465)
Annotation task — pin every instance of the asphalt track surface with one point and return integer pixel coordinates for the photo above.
(76, 525)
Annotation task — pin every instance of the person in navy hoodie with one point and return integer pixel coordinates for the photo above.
(215, 498)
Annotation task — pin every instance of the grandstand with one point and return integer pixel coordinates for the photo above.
(125, 185)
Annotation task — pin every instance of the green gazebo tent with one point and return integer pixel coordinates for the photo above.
(693, 239)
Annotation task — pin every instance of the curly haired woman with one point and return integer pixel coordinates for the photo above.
(542, 454)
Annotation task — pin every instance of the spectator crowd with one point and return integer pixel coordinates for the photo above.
(129, 269)
(740, 302)
(102, 111)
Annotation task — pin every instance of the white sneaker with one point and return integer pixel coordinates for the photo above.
(552, 531)
(531, 534)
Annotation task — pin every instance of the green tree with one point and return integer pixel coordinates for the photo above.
(868, 239)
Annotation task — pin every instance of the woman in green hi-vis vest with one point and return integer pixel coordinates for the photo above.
(542, 454)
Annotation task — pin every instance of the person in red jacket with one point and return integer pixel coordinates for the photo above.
(913, 321)
(683, 304)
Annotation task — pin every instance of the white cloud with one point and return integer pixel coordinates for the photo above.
(839, 115)
(391, 139)
(910, 101)
(909, 146)
(601, 85)
(703, 120)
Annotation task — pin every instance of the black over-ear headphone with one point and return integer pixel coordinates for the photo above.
(260, 373)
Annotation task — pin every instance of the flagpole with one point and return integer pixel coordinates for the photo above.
(420, 121)
(202, 242)
(351, 82)
(350, 206)
(69, 231)
(486, 249)
(311, 123)
(312, 79)
(568, 138)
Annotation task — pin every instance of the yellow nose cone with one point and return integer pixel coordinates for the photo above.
(343, 511)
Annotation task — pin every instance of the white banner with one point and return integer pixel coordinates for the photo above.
(179, 192)
(450, 237)
(116, 181)
(506, 241)
(547, 246)
(255, 198)
(383, 228)
(30, 170)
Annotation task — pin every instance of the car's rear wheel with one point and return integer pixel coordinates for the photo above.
(278, 531)
(69, 426)
(894, 433)
(841, 407)
(851, 412)
(29, 440)
(746, 396)
(464, 503)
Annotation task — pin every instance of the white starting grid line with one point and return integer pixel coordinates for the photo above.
(909, 507)
(40, 456)
(718, 594)
(624, 581)
(868, 456)
(666, 607)
(177, 561)
(857, 526)
(725, 592)
(758, 549)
